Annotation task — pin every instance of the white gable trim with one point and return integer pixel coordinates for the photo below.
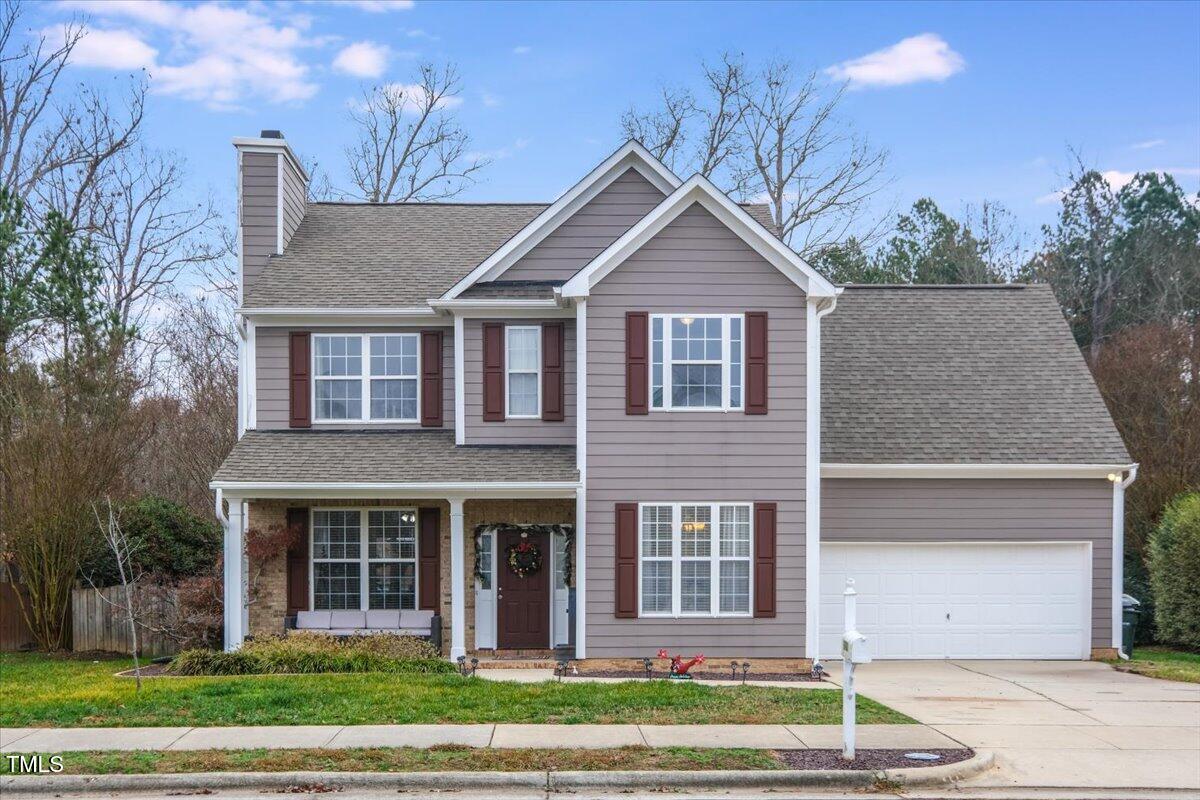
(699, 189)
(630, 155)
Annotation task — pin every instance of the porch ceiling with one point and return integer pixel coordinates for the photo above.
(416, 457)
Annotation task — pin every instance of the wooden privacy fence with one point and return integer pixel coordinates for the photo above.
(99, 621)
(14, 631)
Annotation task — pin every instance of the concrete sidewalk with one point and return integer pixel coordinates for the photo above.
(280, 737)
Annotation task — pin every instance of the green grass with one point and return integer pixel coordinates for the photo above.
(1163, 662)
(37, 690)
(444, 758)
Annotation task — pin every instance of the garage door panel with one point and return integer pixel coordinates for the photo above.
(1027, 600)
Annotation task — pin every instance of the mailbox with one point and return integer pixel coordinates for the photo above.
(854, 648)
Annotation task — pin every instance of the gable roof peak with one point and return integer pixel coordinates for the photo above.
(631, 155)
(699, 189)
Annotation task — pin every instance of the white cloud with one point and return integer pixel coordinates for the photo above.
(420, 33)
(500, 152)
(1117, 179)
(108, 49)
(926, 57)
(362, 60)
(490, 100)
(218, 55)
(1146, 145)
(377, 6)
(522, 49)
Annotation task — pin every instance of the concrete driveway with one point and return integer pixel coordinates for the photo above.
(1051, 723)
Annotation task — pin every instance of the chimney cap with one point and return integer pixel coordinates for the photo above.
(269, 133)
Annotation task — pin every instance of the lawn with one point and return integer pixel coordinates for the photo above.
(37, 690)
(444, 758)
(1163, 662)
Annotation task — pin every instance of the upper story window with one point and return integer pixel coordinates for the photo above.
(694, 559)
(696, 362)
(365, 377)
(523, 379)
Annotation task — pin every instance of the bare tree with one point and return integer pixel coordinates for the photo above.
(41, 133)
(197, 410)
(668, 133)
(144, 233)
(410, 145)
(815, 174)
(769, 136)
(123, 550)
(663, 131)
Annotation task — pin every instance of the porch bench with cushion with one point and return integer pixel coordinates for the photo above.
(425, 624)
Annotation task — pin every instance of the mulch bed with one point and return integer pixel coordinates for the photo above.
(867, 759)
(149, 671)
(751, 677)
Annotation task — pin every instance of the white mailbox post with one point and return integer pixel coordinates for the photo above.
(854, 651)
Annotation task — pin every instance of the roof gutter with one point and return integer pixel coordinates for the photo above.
(336, 490)
(1000, 470)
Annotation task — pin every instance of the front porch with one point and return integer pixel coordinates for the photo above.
(378, 558)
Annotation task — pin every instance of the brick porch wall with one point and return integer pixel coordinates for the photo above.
(268, 606)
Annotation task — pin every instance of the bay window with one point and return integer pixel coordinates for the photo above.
(696, 362)
(364, 559)
(694, 559)
(365, 377)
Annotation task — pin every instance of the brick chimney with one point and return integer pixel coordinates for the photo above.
(272, 190)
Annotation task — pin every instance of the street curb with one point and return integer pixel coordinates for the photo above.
(650, 779)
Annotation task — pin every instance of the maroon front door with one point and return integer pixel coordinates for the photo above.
(523, 604)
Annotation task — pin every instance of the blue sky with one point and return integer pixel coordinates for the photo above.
(988, 98)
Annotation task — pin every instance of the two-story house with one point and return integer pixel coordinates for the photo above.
(633, 418)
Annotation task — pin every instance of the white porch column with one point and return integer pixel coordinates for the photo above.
(235, 589)
(458, 600)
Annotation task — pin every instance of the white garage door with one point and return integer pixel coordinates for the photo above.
(960, 600)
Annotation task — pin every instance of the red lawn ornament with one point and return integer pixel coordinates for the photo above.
(678, 665)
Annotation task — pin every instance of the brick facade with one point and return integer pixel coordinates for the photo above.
(268, 604)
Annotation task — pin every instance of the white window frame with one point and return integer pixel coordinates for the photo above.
(364, 560)
(364, 377)
(509, 371)
(726, 365)
(715, 560)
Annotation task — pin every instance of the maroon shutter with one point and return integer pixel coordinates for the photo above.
(429, 540)
(637, 362)
(553, 357)
(764, 559)
(756, 362)
(299, 380)
(493, 372)
(627, 566)
(297, 561)
(431, 379)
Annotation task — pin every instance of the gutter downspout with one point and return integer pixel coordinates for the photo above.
(1120, 484)
(812, 479)
(240, 324)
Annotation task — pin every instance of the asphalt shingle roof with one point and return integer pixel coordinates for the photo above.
(360, 255)
(958, 375)
(540, 290)
(416, 456)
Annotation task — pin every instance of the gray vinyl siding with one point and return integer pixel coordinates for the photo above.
(271, 377)
(1003, 510)
(695, 265)
(514, 431)
(259, 212)
(294, 198)
(592, 228)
